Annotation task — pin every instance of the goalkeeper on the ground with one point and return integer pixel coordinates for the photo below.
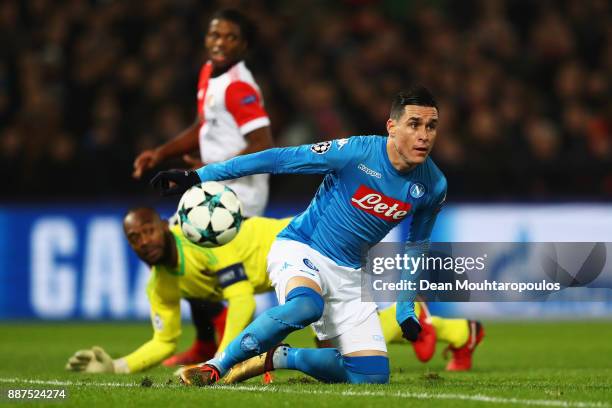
(234, 272)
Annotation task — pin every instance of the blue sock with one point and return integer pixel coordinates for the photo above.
(328, 365)
(323, 364)
(302, 307)
(367, 369)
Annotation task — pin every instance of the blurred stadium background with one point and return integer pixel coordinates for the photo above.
(525, 141)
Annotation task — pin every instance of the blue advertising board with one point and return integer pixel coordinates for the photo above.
(72, 261)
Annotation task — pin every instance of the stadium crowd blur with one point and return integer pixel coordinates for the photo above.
(524, 87)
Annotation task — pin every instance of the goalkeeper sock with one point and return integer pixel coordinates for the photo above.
(453, 331)
(302, 307)
(328, 365)
(391, 330)
(389, 323)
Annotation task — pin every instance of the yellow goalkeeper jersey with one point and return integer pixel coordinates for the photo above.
(232, 272)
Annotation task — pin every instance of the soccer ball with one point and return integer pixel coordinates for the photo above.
(210, 214)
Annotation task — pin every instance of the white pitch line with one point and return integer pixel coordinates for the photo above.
(348, 393)
(82, 383)
(420, 395)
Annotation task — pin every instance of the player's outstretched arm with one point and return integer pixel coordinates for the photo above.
(405, 311)
(418, 244)
(150, 354)
(185, 142)
(258, 140)
(164, 297)
(166, 319)
(240, 310)
(320, 158)
(97, 361)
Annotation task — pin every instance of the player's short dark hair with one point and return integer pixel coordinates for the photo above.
(247, 28)
(142, 208)
(416, 95)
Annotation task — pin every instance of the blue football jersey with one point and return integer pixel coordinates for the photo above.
(361, 198)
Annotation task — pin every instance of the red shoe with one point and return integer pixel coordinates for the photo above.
(198, 352)
(462, 356)
(268, 378)
(425, 344)
(200, 375)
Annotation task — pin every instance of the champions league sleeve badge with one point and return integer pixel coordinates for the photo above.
(321, 147)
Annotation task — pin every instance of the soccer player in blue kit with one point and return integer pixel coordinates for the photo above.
(371, 184)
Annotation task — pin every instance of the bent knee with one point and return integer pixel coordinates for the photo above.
(310, 304)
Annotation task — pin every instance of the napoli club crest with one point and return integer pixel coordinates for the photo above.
(417, 190)
(309, 264)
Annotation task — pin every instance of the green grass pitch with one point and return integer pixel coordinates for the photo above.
(559, 364)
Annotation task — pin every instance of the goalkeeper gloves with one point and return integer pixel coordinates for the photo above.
(182, 180)
(410, 329)
(92, 361)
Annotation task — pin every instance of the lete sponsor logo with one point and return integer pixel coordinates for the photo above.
(379, 205)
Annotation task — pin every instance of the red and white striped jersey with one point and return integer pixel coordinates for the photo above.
(230, 106)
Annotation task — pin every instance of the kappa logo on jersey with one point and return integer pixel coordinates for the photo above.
(248, 99)
(369, 171)
(379, 205)
(417, 190)
(341, 143)
(321, 147)
(309, 264)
